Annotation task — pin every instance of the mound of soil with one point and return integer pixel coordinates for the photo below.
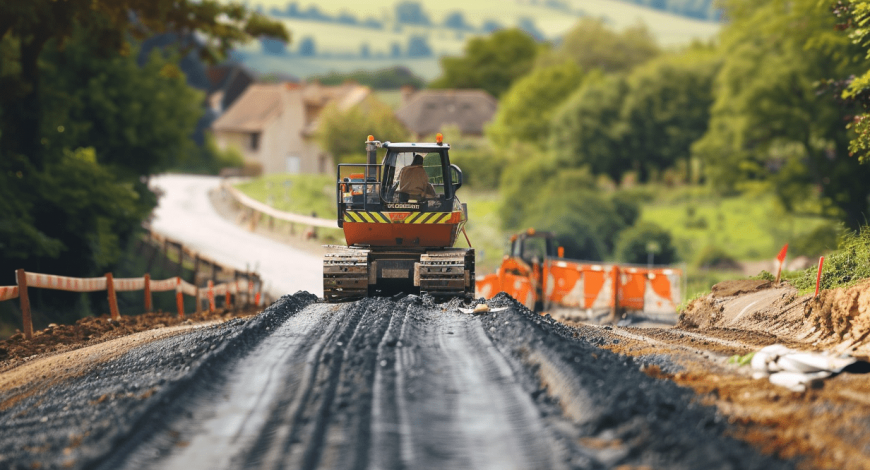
(843, 315)
(838, 319)
(91, 330)
(740, 286)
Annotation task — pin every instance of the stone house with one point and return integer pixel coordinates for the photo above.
(273, 124)
(426, 112)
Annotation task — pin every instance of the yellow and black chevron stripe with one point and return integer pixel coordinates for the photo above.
(384, 217)
(367, 217)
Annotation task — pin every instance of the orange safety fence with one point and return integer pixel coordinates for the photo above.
(584, 285)
(94, 284)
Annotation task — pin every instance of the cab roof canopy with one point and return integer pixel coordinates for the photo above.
(415, 145)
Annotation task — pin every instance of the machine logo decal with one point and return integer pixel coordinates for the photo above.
(401, 205)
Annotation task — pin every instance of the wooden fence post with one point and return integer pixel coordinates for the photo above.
(614, 282)
(180, 259)
(179, 297)
(165, 252)
(148, 307)
(198, 301)
(113, 299)
(152, 253)
(210, 296)
(27, 322)
(195, 280)
(236, 283)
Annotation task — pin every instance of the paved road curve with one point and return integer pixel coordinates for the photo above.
(186, 214)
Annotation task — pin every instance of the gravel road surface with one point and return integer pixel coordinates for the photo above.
(378, 384)
(186, 214)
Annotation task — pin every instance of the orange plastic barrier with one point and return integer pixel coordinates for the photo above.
(579, 285)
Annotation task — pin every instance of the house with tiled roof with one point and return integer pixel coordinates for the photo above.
(274, 124)
(426, 112)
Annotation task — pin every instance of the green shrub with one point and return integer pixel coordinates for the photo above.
(821, 240)
(635, 244)
(763, 276)
(847, 266)
(713, 256)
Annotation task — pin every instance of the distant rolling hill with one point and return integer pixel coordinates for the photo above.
(347, 35)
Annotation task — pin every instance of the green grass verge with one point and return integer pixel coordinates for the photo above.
(483, 229)
(299, 194)
(746, 227)
(848, 266)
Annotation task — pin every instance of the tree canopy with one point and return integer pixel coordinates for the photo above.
(769, 120)
(343, 132)
(591, 44)
(82, 125)
(492, 63)
(526, 109)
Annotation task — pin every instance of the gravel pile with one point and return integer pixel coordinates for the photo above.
(75, 424)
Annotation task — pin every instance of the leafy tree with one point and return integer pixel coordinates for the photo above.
(492, 63)
(83, 126)
(667, 108)
(137, 119)
(343, 132)
(855, 16)
(391, 78)
(307, 47)
(526, 109)
(528, 25)
(770, 123)
(418, 46)
(411, 13)
(456, 20)
(636, 243)
(592, 44)
(28, 26)
(588, 130)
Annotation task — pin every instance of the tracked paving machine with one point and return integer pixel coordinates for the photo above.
(401, 219)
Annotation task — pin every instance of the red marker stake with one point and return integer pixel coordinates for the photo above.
(819, 276)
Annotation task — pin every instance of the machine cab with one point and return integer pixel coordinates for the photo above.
(533, 247)
(411, 177)
(419, 176)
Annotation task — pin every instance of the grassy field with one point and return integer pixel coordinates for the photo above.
(747, 227)
(335, 42)
(300, 194)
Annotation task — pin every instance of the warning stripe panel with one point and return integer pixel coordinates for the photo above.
(411, 218)
(8, 292)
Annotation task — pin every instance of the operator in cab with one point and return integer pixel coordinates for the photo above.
(414, 182)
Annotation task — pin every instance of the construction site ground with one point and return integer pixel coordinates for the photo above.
(382, 383)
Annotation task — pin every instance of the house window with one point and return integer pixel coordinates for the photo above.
(254, 143)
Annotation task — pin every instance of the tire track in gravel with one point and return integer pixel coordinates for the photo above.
(326, 426)
(607, 412)
(234, 409)
(451, 400)
(100, 417)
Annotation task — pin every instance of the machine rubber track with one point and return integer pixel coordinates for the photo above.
(445, 274)
(345, 274)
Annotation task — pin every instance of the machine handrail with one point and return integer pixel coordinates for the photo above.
(367, 172)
